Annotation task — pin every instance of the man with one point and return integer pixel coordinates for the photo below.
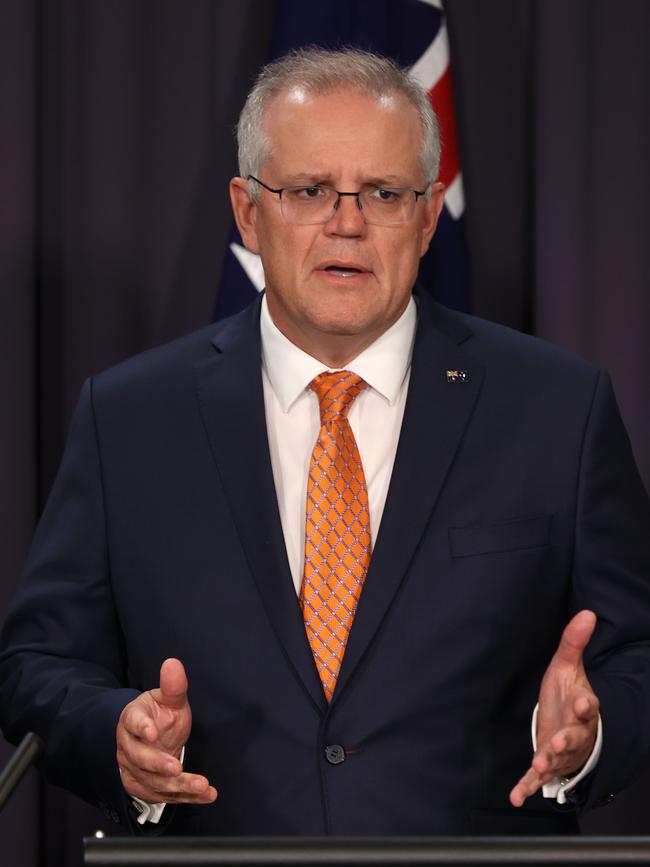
(474, 527)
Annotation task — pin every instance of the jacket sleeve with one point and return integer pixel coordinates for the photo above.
(612, 577)
(62, 656)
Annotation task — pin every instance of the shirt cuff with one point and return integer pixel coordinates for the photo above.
(559, 787)
(148, 812)
(151, 812)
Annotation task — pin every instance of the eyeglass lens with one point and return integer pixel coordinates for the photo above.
(318, 204)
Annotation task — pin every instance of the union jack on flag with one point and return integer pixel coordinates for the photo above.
(414, 33)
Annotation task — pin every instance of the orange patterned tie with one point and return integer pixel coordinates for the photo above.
(337, 529)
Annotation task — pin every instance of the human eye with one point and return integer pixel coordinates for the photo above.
(385, 196)
(313, 193)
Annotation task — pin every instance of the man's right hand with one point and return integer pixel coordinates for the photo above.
(151, 733)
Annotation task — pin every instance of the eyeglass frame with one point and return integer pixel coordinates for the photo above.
(278, 192)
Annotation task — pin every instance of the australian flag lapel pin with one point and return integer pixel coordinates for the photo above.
(457, 376)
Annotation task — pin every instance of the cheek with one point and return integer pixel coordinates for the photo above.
(400, 259)
(278, 254)
(286, 266)
(291, 251)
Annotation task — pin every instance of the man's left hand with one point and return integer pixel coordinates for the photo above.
(567, 719)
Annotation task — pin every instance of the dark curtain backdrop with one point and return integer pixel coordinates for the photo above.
(115, 151)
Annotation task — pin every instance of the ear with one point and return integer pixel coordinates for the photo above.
(245, 212)
(432, 210)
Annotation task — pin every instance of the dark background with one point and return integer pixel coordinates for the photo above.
(115, 150)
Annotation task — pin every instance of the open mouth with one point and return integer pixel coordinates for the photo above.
(343, 270)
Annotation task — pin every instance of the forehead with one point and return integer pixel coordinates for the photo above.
(343, 131)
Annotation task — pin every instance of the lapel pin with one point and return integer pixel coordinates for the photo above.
(457, 376)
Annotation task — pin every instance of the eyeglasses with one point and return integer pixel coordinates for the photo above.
(380, 206)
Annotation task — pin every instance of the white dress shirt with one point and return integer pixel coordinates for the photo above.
(293, 423)
(293, 420)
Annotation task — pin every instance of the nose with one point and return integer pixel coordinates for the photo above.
(347, 218)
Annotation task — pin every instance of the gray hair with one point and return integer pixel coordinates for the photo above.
(318, 70)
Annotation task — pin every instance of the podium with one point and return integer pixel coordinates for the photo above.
(384, 851)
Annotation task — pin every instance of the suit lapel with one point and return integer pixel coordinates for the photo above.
(231, 398)
(436, 415)
(230, 394)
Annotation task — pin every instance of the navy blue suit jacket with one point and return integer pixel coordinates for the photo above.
(514, 502)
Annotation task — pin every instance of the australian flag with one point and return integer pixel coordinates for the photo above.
(413, 33)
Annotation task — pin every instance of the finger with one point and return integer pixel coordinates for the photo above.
(137, 721)
(566, 752)
(188, 788)
(562, 742)
(575, 638)
(173, 684)
(586, 706)
(153, 796)
(530, 783)
(573, 737)
(134, 753)
(549, 763)
(207, 798)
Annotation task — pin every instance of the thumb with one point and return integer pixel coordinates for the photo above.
(173, 684)
(575, 638)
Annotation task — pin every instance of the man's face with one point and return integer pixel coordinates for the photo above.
(346, 140)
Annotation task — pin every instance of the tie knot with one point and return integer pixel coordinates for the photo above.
(336, 392)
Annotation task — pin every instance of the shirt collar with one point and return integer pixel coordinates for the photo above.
(383, 365)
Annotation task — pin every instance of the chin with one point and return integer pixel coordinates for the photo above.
(345, 314)
(347, 327)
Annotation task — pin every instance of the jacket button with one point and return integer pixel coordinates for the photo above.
(335, 754)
